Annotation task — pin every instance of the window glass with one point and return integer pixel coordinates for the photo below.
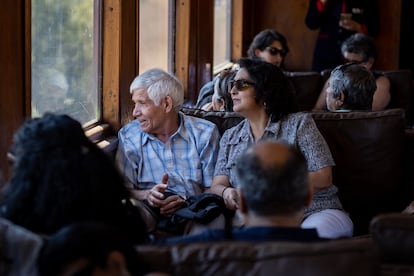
(154, 30)
(222, 33)
(65, 65)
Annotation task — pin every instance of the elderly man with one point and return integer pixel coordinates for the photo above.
(274, 192)
(164, 151)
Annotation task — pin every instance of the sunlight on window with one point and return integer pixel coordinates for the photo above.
(64, 59)
(154, 30)
(222, 33)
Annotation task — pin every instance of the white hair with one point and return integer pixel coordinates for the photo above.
(158, 85)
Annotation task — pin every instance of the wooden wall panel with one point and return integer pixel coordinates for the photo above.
(288, 17)
(388, 40)
(12, 76)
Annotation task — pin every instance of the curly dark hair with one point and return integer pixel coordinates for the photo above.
(60, 177)
(271, 86)
(92, 241)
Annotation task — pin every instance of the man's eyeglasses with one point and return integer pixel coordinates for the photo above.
(240, 84)
(275, 51)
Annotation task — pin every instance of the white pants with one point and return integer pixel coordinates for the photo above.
(330, 223)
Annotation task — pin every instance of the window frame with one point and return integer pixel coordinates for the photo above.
(192, 59)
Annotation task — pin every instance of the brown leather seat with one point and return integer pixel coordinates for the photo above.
(338, 257)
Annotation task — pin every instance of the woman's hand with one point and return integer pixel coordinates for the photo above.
(231, 198)
(350, 25)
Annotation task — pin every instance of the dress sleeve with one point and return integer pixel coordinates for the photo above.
(313, 145)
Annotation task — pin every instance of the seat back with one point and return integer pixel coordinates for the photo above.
(336, 257)
(402, 90)
(307, 86)
(368, 149)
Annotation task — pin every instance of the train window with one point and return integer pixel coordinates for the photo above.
(65, 58)
(155, 29)
(222, 34)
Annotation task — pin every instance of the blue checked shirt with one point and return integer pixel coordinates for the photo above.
(189, 156)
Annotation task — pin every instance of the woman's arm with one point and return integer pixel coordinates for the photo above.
(321, 101)
(221, 187)
(320, 179)
(382, 95)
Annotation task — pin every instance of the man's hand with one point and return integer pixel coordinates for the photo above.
(155, 196)
(171, 204)
(167, 205)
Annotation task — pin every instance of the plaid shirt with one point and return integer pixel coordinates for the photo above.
(189, 156)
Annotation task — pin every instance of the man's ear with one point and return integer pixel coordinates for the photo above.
(370, 62)
(341, 97)
(168, 104)
(116, 262)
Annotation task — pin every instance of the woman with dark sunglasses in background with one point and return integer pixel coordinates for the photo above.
(268, 45)
(262, 95)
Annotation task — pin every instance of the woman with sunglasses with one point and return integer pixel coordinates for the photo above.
(261, 93)
(271, 46)
(268, 45)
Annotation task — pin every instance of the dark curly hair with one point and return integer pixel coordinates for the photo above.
(61, 177)
(92, 241)
(271, 86)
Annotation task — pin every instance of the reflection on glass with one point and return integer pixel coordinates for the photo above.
(222, 33)
(154, 40)
(64, 71)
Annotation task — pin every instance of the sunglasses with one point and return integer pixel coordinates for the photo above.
(240, 84)
(275, 51)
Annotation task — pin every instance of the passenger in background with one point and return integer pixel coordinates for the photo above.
(89, 248)
(273, 191)
(351, 87)
(337, 20)
(163, 150)
(268, 45)
(261, 94)
(221, 100)
(360, 48)
(60, 177)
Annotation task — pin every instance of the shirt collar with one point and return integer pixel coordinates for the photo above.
(180, 132)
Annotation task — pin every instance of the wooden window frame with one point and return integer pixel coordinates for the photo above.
(194, 42)
(193, 55)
